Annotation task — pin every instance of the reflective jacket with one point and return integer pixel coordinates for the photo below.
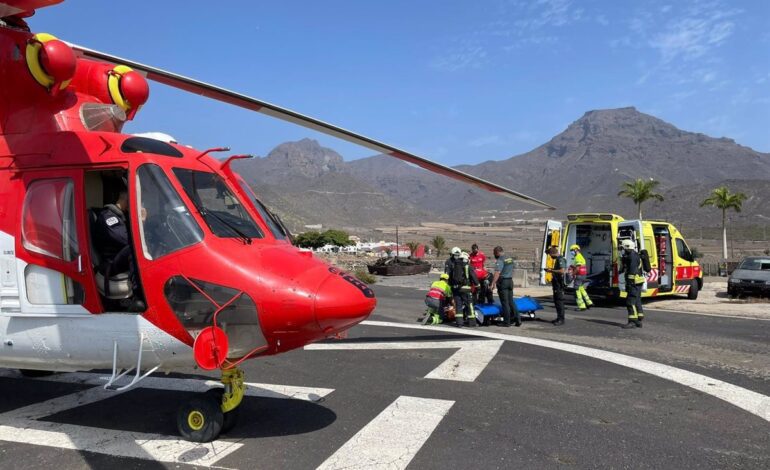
(440, 290)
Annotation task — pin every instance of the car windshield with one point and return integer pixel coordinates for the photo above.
(756, 264)
(272, 223)
(219, 207)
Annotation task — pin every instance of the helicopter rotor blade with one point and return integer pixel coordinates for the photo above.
(237, 99)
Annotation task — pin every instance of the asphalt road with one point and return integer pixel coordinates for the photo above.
(527, 406)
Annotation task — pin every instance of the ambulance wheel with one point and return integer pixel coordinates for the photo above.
(200, 419)
(231, 417)
(692, 294)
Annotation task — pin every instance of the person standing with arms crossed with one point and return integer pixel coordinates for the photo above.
(503, 280)
(580, 271)
(557, 283)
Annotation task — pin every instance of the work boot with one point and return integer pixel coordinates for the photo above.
(517, 323)
(558, 322)
(630, 324)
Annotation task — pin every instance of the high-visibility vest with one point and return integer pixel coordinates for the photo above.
(438, 290)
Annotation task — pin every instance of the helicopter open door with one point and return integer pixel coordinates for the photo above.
(54, 271)
(552, 237)
(630, 230)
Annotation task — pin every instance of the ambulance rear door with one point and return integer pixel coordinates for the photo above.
(552, 237)
(629, 230)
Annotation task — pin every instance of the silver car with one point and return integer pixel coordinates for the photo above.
(751, 277)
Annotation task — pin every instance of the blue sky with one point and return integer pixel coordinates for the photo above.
(454, 81)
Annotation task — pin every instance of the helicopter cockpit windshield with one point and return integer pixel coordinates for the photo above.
(219, 207)
(166, 224)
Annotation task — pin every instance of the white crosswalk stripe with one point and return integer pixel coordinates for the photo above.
(465, 365)
(392, 439)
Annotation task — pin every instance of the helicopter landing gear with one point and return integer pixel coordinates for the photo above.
(204, 418)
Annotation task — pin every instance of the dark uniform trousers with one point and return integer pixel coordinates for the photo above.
(634, 300)
(558, 300)
(505, 291)
(462, 306)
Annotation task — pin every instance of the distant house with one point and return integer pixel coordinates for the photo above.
(328, 249)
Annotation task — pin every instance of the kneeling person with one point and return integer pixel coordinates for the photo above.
(437, 299)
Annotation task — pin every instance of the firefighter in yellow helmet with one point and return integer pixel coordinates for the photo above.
(580, 271)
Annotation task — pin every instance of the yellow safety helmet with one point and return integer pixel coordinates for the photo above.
(574, 247)
(444, 277)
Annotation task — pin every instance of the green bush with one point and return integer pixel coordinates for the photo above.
(365, 277)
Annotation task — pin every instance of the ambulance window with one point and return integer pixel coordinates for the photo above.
(166, 224)
(684, 252)
(48, 219)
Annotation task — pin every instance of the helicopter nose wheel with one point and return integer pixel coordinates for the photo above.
(205, 417)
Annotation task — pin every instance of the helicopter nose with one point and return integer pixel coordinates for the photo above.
(342, 301)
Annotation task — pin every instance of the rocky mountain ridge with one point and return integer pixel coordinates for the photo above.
(580, 169)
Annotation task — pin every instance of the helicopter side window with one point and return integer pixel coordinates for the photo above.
(48, 228)
(222, 211)
(166, 224)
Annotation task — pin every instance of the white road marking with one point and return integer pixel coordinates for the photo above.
(753, 402)
(22, 425)
(117, 443)
(465, 365)
(393, 438)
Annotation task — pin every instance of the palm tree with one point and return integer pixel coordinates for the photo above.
(640, 191)
(721, 198)
(412, 247)
(439, 244)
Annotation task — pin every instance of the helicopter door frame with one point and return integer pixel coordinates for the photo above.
(78, 269)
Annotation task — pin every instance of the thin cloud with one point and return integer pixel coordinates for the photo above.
(462, 57)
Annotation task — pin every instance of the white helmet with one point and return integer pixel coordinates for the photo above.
(465, 256)
(456, 251)
(628, 244)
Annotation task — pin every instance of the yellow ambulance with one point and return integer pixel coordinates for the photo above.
(673, 267)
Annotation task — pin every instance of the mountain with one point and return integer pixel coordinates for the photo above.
(580, 169)
(306, 183)
(583, 167)
(590, 160)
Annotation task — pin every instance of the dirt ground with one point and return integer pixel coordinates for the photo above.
(711, 300)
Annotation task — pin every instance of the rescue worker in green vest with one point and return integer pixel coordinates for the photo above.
(438, 298)
(631, 268)
(580, 271)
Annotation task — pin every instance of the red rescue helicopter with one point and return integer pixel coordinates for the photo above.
(213, 275)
